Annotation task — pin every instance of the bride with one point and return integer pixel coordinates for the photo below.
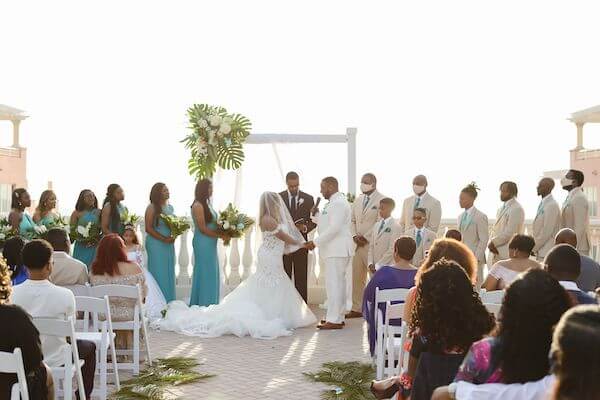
(264, 306)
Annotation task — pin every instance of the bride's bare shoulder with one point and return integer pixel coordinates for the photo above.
(268, 223)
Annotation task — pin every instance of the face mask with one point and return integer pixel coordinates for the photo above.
(565, 182)
(418, 189)
(365, 187)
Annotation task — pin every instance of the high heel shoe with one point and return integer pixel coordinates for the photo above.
(384, 389)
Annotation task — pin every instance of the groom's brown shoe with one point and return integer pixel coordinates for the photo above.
(330, 326)
(354, 314)
(323, 322)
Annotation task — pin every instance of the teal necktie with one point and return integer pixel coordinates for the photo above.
(365, 202)
(381, 226)
(417, 202)
(540, 209)
(463, 220)
(418, 238)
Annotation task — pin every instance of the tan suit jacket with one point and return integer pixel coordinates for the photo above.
(475, 233)
(428, 237)
(429, 203)
(363, 219)
(381, 243)
(575, 215)
(509, 220)
(67, 270)
(545, 226)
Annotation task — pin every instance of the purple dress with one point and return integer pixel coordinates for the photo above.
(384, 278)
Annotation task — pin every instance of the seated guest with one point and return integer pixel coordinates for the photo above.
(111, 267)
(518, 350)
(12, 254)
(563, 263)
(442, 331)
(17, 330)
(453, 234)
(66, 270)
(589, 278)
(42, 299)
(400, 275)
(576, 356)
(505, 271)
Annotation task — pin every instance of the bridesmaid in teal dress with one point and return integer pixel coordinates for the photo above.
(45, 213)
(112, 209)
(206, 281)
(86, 211)
(160, 245)
(19, 219)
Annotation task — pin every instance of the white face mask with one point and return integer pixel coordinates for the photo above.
(366, 187)
(564, 182)
(418, 189)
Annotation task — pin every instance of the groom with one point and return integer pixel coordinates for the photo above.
(336, 249)
(299, 205)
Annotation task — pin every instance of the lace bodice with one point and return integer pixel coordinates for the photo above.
(269, 259)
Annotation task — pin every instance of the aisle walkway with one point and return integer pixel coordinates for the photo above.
(262, 369)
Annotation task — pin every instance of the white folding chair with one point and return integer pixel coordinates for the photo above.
(139, 322)
(79, 290)
(493, 308)
(12, 363)
(72, 364)
(101, 333)
(394, 344)
(492, 297)
(384, 296)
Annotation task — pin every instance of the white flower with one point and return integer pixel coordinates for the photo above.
(214, 120)
(225, 128)
(202, 148)
(84, 231)
(228, 120)
(40, 229)
(226, 225)
(2, 236)
(202, 123)
(211, 137)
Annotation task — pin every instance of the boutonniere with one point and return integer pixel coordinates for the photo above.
(301, 201)
(374, 208)
(324, 212)
(388, 230)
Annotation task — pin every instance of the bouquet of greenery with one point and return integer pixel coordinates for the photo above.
(6, 231)
(130, 219)
(41, 231)
(177, 225)
(233, 223)
(89, 235)
(350, 197)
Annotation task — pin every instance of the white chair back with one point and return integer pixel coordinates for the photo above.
(394, 345)
(492, 297)
(12, 363)
(79, 290)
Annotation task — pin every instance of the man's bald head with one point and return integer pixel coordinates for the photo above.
(567, 236)
(420, 180)
(545, 187)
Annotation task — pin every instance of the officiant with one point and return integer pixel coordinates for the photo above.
(299, 205)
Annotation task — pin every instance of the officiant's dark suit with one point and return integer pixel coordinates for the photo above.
(299, 207)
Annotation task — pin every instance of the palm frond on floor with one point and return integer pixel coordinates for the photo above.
(350, 380)
(155, 382)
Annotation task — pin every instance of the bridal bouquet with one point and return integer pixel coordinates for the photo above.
(88, 235)
(6, 231)
(177, 225)
(130, 219)
(233, 223)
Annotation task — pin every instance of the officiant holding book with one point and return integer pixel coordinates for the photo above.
(299, 204)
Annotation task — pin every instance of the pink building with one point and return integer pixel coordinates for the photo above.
(13, 159)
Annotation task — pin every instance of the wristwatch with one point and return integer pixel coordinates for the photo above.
(452, 390)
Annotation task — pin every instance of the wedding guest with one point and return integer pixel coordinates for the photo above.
(442, 330)
(113, 210)
(575, 209)
(12, 254)
(364, 215)
(66, 270)
(517, 352)
(423, 236)
(160, 246)
(206, 280)
(17, 331)
(19, 219)
(589, 278)
(564, 264)
(132, 245)
(509, 221)
(547, 219)
(86, 212)
(453, 234)
(299, 205)
(397, 275)
(45, 213)
(504, 272)
(421, 199)
(112, 267)
(473, 226)
(42, 299)
(384, 235)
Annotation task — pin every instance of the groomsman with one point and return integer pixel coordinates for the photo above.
(423, 236)
(421, 199)
(384, 235)
(510, 220)
(335, 249)
(299, 205)
(473, 226)
(575, 214)
(365, 212)
(547, 219)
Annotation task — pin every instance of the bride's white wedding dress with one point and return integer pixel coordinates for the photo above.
(264, 306)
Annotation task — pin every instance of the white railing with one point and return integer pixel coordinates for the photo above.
(237, 260)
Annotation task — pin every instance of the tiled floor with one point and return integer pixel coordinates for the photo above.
(258, 369)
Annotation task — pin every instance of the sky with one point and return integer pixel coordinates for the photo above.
(460, 91)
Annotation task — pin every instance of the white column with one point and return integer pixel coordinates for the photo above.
(234, 263)
(351, 134)
(247, 256)
(183, 278)
(16, 123)
(579, 126)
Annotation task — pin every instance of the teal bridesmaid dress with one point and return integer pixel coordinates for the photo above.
(47, 220)
(161, 258)
(26, 226)
(86, 254)
(206, 282)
